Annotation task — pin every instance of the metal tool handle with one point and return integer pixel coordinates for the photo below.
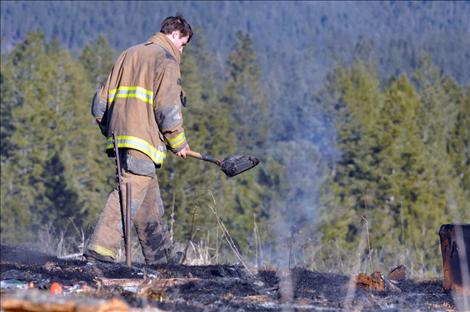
(118, 167)
(128, 225)
(125, 210)
(200, 156)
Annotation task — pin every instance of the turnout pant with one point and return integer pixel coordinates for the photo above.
(146, 215)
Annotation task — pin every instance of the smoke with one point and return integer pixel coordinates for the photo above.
(295, 216)
(305, 148)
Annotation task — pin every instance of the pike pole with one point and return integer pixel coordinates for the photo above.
(125, 209)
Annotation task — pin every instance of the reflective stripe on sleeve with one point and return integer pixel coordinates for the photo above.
(131, 92)
(127, 141)
(177, 141)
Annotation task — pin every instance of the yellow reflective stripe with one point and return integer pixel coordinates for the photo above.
(102, 250)
(177, 141)
(138, 89)
(131, 88)
(127, 141)
(131, 92)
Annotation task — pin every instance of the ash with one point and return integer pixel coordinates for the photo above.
(26, 277)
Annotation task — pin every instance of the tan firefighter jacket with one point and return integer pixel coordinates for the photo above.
(142, 99)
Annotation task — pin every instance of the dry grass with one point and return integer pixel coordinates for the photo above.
(59, 245)
(303, 251)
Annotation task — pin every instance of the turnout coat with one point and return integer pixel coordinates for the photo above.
(141, 100)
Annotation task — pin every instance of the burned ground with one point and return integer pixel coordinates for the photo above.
(206, 288)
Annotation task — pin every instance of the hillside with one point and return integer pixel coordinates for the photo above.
(284, 33)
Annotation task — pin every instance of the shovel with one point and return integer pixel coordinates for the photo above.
(231, 165)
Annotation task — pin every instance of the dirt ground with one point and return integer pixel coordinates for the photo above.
(202, 288)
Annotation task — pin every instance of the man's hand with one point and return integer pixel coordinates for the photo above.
(183, 152)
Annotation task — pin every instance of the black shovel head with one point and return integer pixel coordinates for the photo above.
(237, 164)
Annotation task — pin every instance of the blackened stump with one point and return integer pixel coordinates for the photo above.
(455, 248)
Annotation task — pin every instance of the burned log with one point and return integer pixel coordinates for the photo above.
(398, 273)
(36, 300)
(455, 248)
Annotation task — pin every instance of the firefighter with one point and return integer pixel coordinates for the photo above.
(140, 103)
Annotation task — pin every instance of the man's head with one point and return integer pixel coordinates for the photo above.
(178, 30)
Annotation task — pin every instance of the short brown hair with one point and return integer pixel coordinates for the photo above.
(173, 23)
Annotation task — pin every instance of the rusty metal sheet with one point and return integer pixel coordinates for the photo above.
(455, 248)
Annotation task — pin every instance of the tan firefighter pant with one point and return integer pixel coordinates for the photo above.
(146, 215)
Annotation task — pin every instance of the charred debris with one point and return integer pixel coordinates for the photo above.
(32, 281)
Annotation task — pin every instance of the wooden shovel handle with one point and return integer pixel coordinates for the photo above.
(200, 156)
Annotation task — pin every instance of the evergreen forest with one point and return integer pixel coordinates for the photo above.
(360, 117)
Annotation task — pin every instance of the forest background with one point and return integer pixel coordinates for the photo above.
(359, 112)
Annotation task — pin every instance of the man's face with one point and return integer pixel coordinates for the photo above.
(179, 43)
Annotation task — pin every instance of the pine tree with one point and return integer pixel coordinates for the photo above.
(457, 151)
(463, 131)
(21, 170)
(459, 148)
(441, 99)
(97, 58)
(51, 175)
(7, 104)
(357, 101)
(244, 94)
(243, 97)
(382, 177)
(406, 177)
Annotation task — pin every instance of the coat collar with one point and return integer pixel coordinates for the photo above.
(163, 41)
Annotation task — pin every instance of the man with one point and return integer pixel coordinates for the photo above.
(140, 104)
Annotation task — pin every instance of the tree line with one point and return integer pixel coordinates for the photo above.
(404, 165)
(364, 155)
